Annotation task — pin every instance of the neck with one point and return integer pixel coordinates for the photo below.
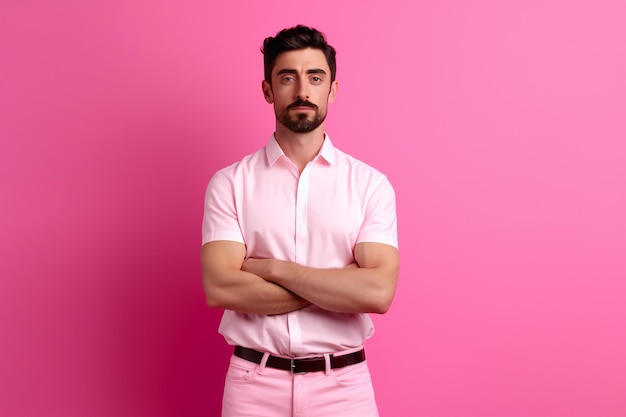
(301, 148)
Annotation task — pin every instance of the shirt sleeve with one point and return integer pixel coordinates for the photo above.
(220, 220)
(380, 222)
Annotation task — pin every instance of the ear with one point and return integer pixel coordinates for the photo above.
(333, 91)
(267, 91)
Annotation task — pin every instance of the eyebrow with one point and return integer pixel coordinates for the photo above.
(293, 71)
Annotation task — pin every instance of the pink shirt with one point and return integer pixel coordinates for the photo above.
(315, 218)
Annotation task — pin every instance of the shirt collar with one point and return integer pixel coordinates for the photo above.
(273, 151)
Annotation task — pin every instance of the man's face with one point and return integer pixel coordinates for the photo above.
(300, 89)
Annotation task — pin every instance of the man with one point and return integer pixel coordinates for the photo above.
(299, 244)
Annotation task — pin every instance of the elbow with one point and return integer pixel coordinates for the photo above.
(217, 293)
(216, 302)
(382, 291)
(381, 303)
(212, 296)
(385, 294)
(380, 307)
(213, 302)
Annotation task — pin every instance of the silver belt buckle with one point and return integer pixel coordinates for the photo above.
(293, 368)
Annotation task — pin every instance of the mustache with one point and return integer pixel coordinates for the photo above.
(302, 103)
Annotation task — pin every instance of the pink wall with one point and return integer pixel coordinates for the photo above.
(502, 125)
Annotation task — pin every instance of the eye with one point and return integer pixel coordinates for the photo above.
(287, 79)
(316, 80)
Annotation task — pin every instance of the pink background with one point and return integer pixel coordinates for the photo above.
(502, 125)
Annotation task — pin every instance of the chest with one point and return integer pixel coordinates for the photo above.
(279, 211)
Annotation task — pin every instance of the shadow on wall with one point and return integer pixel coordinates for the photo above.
(169, 358)
(172, 359)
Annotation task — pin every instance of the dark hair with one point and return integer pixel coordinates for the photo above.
(298, 37)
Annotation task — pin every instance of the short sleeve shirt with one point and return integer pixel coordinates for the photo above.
(314, 218)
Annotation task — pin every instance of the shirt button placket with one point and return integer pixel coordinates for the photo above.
(301, 247)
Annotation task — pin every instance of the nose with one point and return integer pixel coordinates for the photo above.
(302, 93)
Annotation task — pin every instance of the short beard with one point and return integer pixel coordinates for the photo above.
(301, 123)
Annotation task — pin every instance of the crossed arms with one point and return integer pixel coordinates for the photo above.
(270, 286)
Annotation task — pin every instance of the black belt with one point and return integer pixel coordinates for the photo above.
(299, 366)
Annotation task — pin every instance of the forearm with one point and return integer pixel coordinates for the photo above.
(247, 293)
(367, 286)
(345, 290)
(227, 286)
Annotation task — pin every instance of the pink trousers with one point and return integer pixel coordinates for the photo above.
(253, 390)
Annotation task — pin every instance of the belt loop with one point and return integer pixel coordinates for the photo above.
(327, 362)
(261, 367)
